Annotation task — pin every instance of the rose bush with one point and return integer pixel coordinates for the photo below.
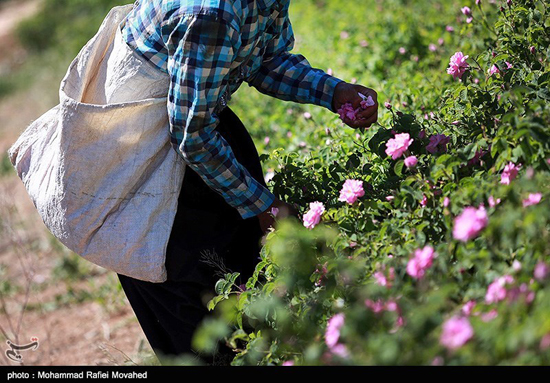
(443, 259)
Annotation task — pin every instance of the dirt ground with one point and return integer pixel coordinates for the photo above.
(87, 321)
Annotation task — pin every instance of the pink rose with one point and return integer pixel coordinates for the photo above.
(470, 223)
(313, 216)
(509, 173)
(493, 202)
(420, 262)
(457, 65)
(541, 271)
(533, 199)
(395, 147)
(489, 316)
(496, 291)
(468, 308)
(351, 190)
(493, 70)
(456, 332)
(332, 333)
(411, 161)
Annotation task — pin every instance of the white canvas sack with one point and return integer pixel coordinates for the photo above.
(99, 167)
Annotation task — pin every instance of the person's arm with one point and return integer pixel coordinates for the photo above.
(290, 77)
(201, 50)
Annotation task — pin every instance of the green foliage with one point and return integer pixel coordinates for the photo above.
(305, 277)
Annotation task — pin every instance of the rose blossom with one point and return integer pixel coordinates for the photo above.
(457, 65)
(489, 316)
(395, 147)
(351, 190)
(424, 200)
(470, 223)
(332, 333)
(313, 216)
(411, 161)
(496, 291)
(468, 307)
(456, 332)
(420, 262)
(509, 173)
(493, 70)
(493, 202)
(541, 271)
(533, 199)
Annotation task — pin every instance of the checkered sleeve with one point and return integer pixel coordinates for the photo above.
(290, 77)
(201, 49)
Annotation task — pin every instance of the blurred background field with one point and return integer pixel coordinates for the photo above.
(77, 310)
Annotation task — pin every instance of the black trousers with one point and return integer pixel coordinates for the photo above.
(206, 227)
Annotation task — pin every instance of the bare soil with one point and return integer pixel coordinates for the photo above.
(34, 302)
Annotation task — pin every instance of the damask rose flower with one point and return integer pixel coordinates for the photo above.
(367, 101)
(470, 223)
(313, 216)
(376, 306)
(456, 332)
(411, 161)
(332, 333)
(496, 291)
(541, 271)
(493, 202)
(396, 147)
(351, 190)
(457, 65)
(438, 143)
(493, 70)
(468, 308)
(340, 350)
(489, 316)
(533, 199)
(466, 11)
(347, 111)
(510, 172)
(424, 200)
(420, 262)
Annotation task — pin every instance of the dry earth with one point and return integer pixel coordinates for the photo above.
(81, 322)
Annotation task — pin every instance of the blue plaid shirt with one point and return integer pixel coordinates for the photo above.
(208, 48)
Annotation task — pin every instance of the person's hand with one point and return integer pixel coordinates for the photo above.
(285, 210)
(345, 92)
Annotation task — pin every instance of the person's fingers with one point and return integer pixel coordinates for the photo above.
(364, 123)
(356, 100)
(367, 113)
